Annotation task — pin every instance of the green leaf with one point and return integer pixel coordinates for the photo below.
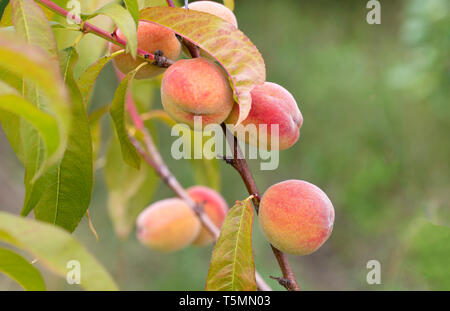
(232, 267)
(133, 8)
(117, 112)
(88, 77)
(62, 195)
(229, 4)
(54, 248)
(129, 190)
(44, 123)
(20, 270)
(225, 43)
(124, 21)
(32, 25)
(37, 67)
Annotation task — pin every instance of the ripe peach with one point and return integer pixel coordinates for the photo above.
(151, 37)
(196, 87)
(214, 8)
(168, 225)
(214, 206)
(296, 216)
(271, 105)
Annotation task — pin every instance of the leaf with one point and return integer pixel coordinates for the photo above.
(133, 8)
(20, 270)
(124, 21)
(54, 248)
(232, 267)
(228, 45)
(36, 66)
(32, 25)
(3, 5)
(117, 112)
(44, 123)
(129, 190)
(229, 4)
(62, 195)
(88, 77)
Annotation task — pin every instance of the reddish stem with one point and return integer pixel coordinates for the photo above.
(90, 28)
(240, 164)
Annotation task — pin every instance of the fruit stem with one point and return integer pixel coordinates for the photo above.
(240, 165)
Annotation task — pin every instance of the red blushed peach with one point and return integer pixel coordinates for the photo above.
(214, 206)
(151, 37)
(214, 8)
(271, 105)
(168, 225)
(196, 87)
(296, 217)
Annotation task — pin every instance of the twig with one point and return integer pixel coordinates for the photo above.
(152, 156)
(241, 166)
(86, 27)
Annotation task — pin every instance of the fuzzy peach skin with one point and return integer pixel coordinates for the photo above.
(214, 206)
(271, 104)
(216, 9)
(196, 87)
(296, 217)
(151, 37)
(167, 225)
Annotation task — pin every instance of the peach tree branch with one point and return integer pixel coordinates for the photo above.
(152, 156)
(240, 165)
(86, 27)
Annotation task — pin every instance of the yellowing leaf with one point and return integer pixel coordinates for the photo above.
(224, 42)
(232, 267)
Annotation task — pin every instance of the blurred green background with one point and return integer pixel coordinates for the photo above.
(375, 138)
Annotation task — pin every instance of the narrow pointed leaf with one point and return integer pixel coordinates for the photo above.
(124, 21)
(45, 124)
(232, 267)
(88, 77)
(68, 185)
(133, 8)
(117, 111)
(20, 270)
(225, 43)
(54, 248)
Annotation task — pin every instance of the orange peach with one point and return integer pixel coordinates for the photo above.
(272, 105)
(213, 205)
(296, 217)
(151, 37)
(196, 87)
(214, 8)
(168, 225)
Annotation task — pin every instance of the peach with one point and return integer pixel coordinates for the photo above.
(296, 217)
(196, 87)
(271, 105)
(214, 8)
(168, 225)
(213, 205)
(151, 37)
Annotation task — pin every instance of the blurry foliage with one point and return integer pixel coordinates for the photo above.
(375, 138)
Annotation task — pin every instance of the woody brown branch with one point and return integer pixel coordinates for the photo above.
(240, 165)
